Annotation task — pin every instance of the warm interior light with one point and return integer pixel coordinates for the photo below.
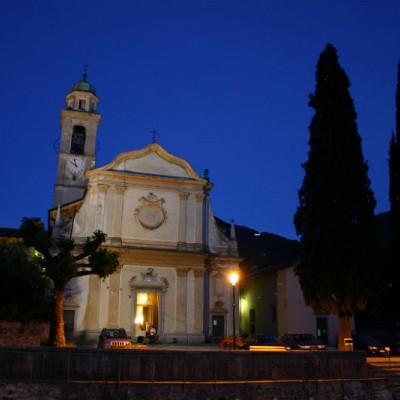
(233, 277)
(139, 319)
(142, 298)
(139, 315)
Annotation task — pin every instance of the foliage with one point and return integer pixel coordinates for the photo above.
(227, 342)
(23, 294)
(394, 192)
(335, 216)
(62, 260)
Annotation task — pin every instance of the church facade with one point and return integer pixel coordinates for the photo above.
(175, 256)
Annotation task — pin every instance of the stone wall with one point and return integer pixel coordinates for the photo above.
(326, 390)
(19, 334)
(93, 374)
(47, 364)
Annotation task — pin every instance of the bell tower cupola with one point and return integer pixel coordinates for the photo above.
(77, 152)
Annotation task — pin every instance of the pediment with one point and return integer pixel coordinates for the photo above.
(151, 160)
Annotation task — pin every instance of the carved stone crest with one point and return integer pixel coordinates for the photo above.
(151, 212)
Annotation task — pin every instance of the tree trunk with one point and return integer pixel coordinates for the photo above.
(344, 330)
(57, 336)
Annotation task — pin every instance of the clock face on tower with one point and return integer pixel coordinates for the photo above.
(76, 165)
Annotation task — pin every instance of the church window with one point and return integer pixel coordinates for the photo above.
(219, 285)
(78, 140)
(82, 104)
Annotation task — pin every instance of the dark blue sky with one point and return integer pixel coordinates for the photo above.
(225, 82)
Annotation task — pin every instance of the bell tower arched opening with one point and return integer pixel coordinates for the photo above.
(78, 140)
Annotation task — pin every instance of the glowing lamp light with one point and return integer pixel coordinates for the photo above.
(233, 277)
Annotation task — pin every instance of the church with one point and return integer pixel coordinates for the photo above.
(175, 256)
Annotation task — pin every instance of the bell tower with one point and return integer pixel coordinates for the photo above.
(77, 153)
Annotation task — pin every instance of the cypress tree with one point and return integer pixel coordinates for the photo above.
(335, 216)
(394, 194)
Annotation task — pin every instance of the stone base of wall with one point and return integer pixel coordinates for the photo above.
(327, 390)
(19, 334)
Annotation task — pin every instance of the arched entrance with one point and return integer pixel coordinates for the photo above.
(147, 310)
(148, 293)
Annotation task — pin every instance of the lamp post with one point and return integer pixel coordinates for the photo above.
(233, 277)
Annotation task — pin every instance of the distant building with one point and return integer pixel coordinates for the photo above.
(155, 209)
(9, 236)
(271, 300)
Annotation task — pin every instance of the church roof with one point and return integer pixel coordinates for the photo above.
(84, 86)
(152, 160)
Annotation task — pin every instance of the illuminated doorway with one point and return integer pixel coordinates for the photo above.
(146, 313)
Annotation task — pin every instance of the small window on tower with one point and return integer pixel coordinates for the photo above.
(92, 106)
(71, 103)
(82, 104)
(78, 140)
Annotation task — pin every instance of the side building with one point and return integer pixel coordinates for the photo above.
(271, 299)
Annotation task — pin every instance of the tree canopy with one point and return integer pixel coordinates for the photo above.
(24, 289)
(335, 216)
(394, 175)
(62, 260)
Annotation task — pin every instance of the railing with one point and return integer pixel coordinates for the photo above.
(79, 365)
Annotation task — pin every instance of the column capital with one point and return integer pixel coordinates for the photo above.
(182, 272)
(102, 188)
(199, 197)
(183, 196)
(120, 189)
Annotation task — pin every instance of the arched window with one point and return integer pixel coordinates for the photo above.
(82, 104)
(78, 140)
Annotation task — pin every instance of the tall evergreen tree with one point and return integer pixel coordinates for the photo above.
(394, 190)
(335, 216)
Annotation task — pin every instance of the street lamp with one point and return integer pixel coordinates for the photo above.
(233, 277)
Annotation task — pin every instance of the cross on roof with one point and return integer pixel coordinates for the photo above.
(154, 133)
(85, 67)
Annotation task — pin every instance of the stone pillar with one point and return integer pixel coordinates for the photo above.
(182, 228)
(199, 220)
(113, 300)
(199, 300)
(181, 300)
(91, 319)
(101, 201)
(89, 216)
(206, 211)
(117, 212)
